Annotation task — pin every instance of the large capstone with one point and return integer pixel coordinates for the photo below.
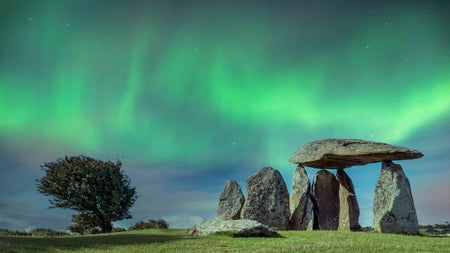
(393, 205)
(237, 228)
(325, 196)
(231, 201)
(348, 205)
(300, 203)
(267, 199)
(344, 153)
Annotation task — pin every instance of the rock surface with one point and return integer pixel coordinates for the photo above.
(348, 205)
(325, 196)
(267, 199)
(344, 153)
(238, 228)
(393, 205)
(300, 203)
(231, 201)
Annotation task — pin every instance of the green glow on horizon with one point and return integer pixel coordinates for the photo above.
(181, 93)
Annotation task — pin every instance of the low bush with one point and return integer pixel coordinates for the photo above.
(115, 230)
(7, 232)
(150, 224)
(46, 232)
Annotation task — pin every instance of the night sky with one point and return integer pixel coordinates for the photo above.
(188, 94)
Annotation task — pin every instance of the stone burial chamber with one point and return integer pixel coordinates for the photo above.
(329, 204)
(334, 197)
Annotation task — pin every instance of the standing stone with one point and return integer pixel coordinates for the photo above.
(348, 205)
(231, 201)
(267, 199)
(325, 196)
(300, 203)
(393, 205)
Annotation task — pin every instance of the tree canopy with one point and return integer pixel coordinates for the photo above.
(98, 190)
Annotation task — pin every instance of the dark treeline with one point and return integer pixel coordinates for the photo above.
(38, 232)
(47, 232)
(436, 229)
(437, 226)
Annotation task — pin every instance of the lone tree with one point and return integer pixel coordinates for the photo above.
(98, 190)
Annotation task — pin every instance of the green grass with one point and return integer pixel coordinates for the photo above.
(173, 240)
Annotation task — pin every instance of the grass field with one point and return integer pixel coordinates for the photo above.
(175, 240)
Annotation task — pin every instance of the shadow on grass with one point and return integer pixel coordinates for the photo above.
(31, 244)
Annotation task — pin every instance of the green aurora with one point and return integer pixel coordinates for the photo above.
(149, 85)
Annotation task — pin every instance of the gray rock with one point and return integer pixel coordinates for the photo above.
(267, 199)
(348, 205)
(231, 201)
(393, 205)
(325, 196)
(300, 203)
(344, 153)
(236, 228)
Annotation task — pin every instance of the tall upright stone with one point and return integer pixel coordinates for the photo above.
(300, 203)
(325, 196)
(267, 199)
(348, 205)
(231, 201)
(393, 205)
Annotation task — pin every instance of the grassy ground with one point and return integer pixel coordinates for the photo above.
(173, 240)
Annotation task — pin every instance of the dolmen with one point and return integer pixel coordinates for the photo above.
(330, 204)
(334, 198)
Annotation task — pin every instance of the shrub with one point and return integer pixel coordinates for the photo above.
(46, 232)
(367, 229)
(7, 232)
(150, 224)
(115, 230)
(445, 231)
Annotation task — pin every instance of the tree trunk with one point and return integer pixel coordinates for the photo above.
(107, 227)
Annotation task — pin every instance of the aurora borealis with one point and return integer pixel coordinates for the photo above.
(188, 94)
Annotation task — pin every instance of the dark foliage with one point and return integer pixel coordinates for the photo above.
(436, 226)
(150, 224)
(98, 190)
(432, 231)
(7, 232)
(367, 229)
(436, 229)
(118, 229)
(84, 224)
(47, 232)
(38, 232)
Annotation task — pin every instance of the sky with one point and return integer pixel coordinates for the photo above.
(188, 94)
